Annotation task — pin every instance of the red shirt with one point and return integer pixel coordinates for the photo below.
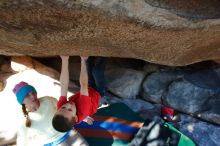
(85, 105)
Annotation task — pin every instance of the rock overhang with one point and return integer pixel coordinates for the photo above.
(160, 32)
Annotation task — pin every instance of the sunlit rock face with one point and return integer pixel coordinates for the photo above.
(174, 33)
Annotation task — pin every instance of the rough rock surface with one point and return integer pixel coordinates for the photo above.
(124, 82)
(163, 32)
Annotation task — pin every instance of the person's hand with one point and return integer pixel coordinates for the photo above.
(84, 58)
(89, 120)
(64, 57)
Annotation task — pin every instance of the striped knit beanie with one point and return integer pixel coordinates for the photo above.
(21, 90)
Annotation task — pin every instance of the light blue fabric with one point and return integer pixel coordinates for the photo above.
(22, 93)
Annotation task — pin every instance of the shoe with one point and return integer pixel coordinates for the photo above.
(167, 114)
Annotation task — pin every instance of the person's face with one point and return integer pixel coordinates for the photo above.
(31, 102)
(68, 110)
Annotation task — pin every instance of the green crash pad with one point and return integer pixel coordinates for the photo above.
(116, 125)
(156, 134)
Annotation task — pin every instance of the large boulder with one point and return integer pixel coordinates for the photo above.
(187, 97)
(163, 32)
(125, 83)
(204, 134)
(156, 85)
